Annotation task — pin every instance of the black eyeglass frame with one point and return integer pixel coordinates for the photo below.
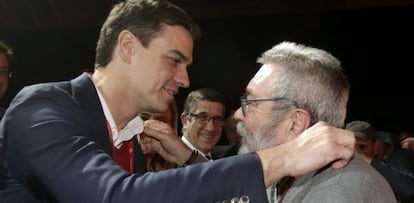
(217, 121)
(244, 102)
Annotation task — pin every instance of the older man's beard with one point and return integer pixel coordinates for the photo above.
(255, 140)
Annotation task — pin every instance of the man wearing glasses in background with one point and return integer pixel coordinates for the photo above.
(5, 57)
(203, 120)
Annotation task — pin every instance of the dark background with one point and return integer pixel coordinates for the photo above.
(55, 40)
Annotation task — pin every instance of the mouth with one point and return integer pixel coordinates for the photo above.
(209, 136)
(171, 91)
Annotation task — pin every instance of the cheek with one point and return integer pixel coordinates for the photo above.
(195, 129)
(190, 128)
(250, 124)
(152, 81)
(162, 74)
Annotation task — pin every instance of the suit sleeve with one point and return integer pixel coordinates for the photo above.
(51, 153)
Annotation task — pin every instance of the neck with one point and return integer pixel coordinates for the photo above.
(112, 91)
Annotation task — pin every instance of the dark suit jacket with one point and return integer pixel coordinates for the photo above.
(222, 151)
(57, 150)
(399, 172)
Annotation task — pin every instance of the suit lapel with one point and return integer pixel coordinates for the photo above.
(84, 92)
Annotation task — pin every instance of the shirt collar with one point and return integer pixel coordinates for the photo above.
(133, 127)
(189, 144)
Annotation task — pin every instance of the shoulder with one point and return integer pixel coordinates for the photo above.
(357, 172)
(357, 182)
(71, 91)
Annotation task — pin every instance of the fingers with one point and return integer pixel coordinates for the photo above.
(152, 146)
(341, 144)
(317, 147)
(171, 147)
(339, 164)
(342, 157)
(337, 136)
(149, 145)
(158, 129)
(346, 138)
(327, 144)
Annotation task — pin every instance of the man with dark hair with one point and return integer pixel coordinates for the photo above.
(65, 141)
(203, 120)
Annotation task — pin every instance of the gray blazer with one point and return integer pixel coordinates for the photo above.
(358, 182)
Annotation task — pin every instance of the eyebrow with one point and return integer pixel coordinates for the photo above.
(208, 114)
(247, 93)
(180, 54)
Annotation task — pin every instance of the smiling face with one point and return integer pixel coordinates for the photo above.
(155, 73)
(204, 136)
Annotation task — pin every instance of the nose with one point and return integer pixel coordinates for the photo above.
(238, 115)
(182, 77)
(210, 125)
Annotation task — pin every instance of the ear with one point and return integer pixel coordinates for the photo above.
(183, 118)
(126, 42)
(301, 121)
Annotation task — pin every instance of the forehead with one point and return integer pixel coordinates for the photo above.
(261, 83)
(210, 107)
(175, 39)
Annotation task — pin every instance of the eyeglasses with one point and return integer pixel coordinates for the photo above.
(5, 72)
(244, 102)
(203, 119)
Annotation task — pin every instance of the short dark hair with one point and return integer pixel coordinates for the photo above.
(202, 94)
(143, 18)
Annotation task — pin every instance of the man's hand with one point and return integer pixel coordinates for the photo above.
(316, 147)
(159, 137)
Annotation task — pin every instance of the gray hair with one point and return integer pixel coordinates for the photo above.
(311, 77)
